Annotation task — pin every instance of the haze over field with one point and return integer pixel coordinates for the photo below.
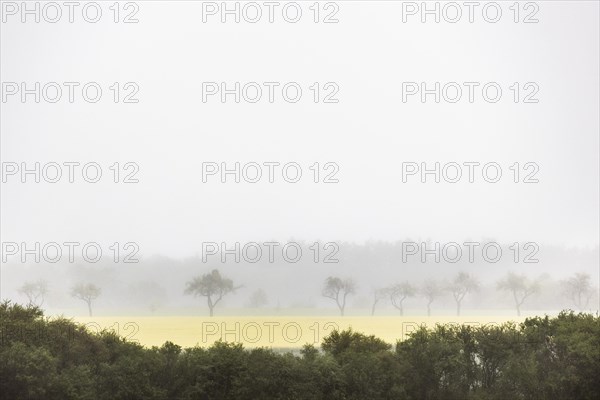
(160, 198)
(155, 285)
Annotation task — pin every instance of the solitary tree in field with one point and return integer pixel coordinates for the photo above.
(35, 292)
(462, 285)
(338, 289)
(86, 292)
(213, 286)
(520, 287)
(579, 289)
(431, 290)
(400, 292)
(378, 295)
(258, 299)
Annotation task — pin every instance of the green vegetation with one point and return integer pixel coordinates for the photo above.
(542, 358)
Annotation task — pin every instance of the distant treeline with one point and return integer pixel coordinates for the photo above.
(214, 287)
(542, 358)
(374, 276)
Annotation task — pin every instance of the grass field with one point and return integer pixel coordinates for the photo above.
(272, 331)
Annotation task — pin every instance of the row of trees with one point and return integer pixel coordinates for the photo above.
(214, 287)
(542, 358)
(36, 292)
(578, 288)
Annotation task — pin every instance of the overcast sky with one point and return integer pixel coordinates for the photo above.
(368, 133)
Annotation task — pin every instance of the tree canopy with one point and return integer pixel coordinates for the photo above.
(213, 286)
(541, 358)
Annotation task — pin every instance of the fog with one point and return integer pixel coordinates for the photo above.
(366, 203)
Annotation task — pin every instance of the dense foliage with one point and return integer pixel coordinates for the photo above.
(543, 358)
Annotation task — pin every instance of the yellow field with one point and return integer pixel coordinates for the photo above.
(269, 331)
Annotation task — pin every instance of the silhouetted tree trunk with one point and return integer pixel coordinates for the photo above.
(211, 306)
(518, 303)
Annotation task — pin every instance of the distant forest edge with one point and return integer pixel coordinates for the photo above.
(540, 358)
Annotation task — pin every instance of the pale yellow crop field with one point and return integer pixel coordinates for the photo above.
(269, 331)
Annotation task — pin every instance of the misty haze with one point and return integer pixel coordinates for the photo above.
(299, 200)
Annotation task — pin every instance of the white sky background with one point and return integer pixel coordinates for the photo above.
(369, 133)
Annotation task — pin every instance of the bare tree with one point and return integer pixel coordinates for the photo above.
(86, 292)
(338, 289)
(462, 285)
(520, 287)
(212, 286)
(35, 292)
(579, 289)
(258, 299)
(400, 292)
(431, 290)
(378, 295)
